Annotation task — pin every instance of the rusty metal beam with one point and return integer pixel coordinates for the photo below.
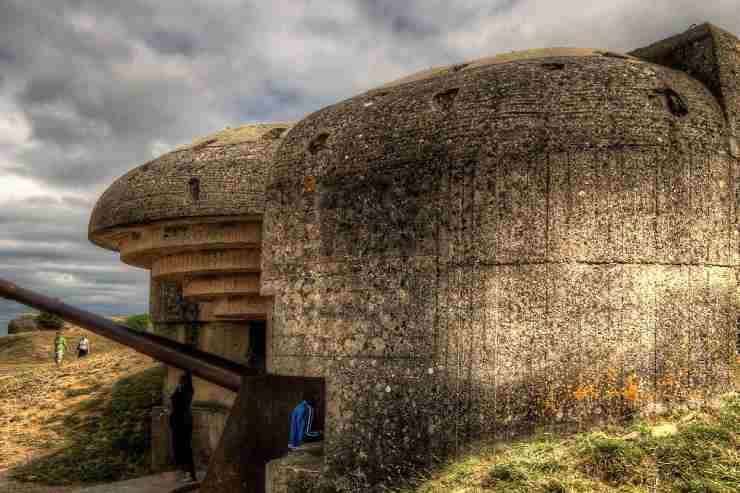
(217, 370)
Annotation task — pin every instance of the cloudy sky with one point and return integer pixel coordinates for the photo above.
(90, 89)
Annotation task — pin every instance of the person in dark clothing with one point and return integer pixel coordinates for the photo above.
(181, 425)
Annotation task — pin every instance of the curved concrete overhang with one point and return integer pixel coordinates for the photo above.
(218, 175)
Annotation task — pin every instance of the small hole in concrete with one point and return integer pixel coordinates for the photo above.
(674, 102)
(318, 143)
(274, 134)
(194, 186)
(445, 99)
(553, 66)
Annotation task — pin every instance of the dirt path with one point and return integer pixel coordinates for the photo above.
(157, 483)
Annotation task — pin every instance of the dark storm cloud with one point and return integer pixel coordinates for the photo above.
(102, 86)
(36, 250)
(45, 89)
(45, 209)
(172, 42)
(42, 232)
(400, 17)
(278, 101)
(6, 56)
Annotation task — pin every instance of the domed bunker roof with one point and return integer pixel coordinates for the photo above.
(513, 56)
(378, 163)
(222, 174)
(530, 102)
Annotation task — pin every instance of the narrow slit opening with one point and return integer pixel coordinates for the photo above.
(318, 143)
(194, 186)
(674, 102)
(553, 66)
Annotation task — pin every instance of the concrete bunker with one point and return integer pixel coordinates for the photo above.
(518, 261)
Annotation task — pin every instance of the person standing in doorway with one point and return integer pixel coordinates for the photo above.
(60, 345)
(181, 426)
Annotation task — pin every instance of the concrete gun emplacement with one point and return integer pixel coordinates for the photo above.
(257, 428)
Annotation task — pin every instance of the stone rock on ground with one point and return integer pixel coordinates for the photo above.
(23, 323)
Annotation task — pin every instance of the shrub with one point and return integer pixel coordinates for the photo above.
(611, 459)
(138, 322)
(49, 321)
(504, 473)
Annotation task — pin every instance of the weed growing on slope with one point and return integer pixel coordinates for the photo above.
(696, 452)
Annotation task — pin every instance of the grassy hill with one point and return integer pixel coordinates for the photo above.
(691, 451)
(86, 421)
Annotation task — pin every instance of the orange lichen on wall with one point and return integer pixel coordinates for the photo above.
(608, 388)
(584, 391)
(670, 385)
(310, 184)
(631, 390)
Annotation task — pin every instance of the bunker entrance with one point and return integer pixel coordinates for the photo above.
(257, 350)
(258, 430)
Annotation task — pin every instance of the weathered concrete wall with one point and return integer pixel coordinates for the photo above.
(494, 247)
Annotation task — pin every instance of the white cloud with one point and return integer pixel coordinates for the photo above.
(15, 128)
(61, 279)
(159, 147)
(15, 188)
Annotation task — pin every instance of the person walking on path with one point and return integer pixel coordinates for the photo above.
(83, 348)
(181, 426)
(60, 345)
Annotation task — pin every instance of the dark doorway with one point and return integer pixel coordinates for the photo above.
(257, 351)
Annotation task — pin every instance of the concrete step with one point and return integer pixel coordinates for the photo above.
(299, 467)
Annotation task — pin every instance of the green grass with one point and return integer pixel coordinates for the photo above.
(696, 452)
(139, 322)
(105, 438)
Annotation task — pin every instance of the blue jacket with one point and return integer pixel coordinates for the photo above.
(301, 420)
